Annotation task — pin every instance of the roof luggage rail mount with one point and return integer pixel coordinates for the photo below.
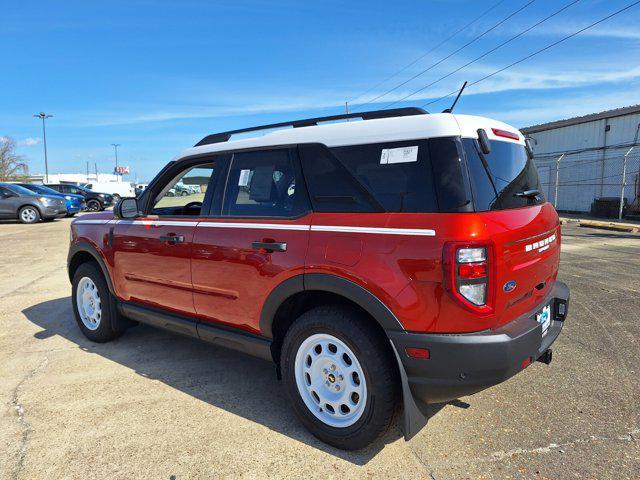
(309, 122)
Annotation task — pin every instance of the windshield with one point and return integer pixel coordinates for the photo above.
(19, 190)
(507, 173)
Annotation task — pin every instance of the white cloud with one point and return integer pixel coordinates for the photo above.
(30, 141)
(598, 31)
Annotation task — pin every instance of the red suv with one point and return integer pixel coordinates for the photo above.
(402, 259)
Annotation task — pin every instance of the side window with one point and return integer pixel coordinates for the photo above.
(73, 190)
(185, 193)
(263, 184)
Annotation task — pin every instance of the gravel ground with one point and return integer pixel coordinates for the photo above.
(156, 405)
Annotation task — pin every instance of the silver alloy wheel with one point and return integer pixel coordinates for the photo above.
(28, 215)
(330, 380)
(88, 303)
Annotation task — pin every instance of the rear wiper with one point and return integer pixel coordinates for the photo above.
(528, 194)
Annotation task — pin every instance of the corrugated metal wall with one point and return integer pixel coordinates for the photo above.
(592, 165)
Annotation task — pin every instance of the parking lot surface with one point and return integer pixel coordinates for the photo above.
(156, 405)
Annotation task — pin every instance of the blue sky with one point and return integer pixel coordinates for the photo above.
(156, 76)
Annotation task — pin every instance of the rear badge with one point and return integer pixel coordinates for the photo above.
(510, 285)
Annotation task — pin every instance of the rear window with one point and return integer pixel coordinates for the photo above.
(508, 172)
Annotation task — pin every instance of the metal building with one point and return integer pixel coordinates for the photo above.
(590, 157)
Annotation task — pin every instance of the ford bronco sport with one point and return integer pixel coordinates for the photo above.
(402, 259)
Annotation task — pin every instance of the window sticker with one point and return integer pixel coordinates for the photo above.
(399, 155)
(243, 181)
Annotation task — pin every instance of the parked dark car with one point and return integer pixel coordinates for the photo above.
(96, 201)
(75, 203)
(27, 206)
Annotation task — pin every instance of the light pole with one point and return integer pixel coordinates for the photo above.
(115, 147)
(44, 116)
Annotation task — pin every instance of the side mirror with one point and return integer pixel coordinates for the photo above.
(126, 208)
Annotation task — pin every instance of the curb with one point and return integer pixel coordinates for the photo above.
(615, 226)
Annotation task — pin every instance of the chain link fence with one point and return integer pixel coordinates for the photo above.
(602, 181)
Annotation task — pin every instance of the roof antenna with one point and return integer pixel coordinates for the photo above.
(450, 109)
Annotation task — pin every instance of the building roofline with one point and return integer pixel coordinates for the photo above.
(616, 112)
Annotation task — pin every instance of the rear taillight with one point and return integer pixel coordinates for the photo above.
(468, 272)
(472, 274)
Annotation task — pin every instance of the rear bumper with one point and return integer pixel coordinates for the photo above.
(462, 364)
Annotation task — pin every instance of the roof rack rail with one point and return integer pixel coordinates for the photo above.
(394, 112)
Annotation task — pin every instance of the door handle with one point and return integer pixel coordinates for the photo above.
(270, 246)
(172, 239)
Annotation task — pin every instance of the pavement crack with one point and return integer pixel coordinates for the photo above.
(424, 464)
(24, 424)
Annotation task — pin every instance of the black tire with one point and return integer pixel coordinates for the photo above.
(29, 214)
(107, 329)
(71, 215)
(184, 193)
(371, 350)
(94, 205)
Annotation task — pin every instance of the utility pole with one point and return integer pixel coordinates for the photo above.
(115, 147)
(624, 181)
(346, 107)
(43, 116)
(87, 170)
(95, 166)
(555, 198)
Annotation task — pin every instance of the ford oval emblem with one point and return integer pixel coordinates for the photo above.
(509, 286)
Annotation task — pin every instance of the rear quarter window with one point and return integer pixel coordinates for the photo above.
(397, 175)
(414, 176)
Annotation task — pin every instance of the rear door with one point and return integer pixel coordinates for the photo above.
(257, 239)
(152, 254)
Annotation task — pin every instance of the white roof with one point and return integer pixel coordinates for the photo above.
(360, 132)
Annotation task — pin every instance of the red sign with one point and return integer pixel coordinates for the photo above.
(122, 170)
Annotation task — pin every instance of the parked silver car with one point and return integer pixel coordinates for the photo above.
(27, 206)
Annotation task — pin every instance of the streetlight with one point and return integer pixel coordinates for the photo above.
(44, 116)
(115, 147)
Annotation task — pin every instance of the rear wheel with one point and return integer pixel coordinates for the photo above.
(339, 376)
(29, 214)
(93, 305)
(94, 205)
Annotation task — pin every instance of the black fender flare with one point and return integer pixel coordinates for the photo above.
(86, 247)
(326, 283)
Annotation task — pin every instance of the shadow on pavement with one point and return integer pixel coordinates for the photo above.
(238, 383)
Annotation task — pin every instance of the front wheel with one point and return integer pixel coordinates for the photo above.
(29, 214)
(340, 376)
(93, 304)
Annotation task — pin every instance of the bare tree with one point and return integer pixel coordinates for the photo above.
(12, 165)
